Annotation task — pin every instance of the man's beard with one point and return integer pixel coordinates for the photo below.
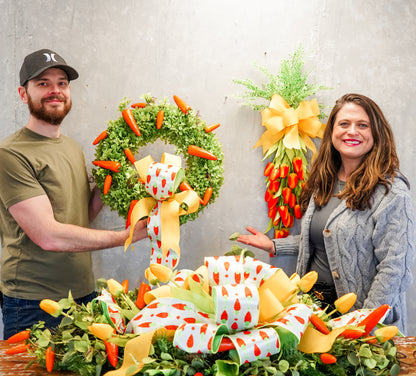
(53, 116)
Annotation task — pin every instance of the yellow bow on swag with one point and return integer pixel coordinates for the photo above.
(171, 208)
(281, 120)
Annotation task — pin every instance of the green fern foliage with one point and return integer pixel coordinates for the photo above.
(291, 82)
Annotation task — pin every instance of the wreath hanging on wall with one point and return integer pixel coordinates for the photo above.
(143, 123)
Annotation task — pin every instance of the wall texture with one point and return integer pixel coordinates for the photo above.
(194, 49)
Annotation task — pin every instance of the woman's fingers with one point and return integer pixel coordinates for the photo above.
(252, 230)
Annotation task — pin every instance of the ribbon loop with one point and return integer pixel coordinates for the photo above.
(282, 121)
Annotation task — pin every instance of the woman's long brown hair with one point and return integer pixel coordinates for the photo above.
(379, 166)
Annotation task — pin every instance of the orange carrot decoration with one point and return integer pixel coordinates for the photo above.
(140, 303)
(131, 121)
(129, 155)
(109, 165)
(207, 196)
(202, 153)
(159, 119)
(125, 285)
(328, 358)
(210, 128)
(112, 352)
(19, 337)
(184, 186)
(183, 106)
(132, 204)
(100, 137)
(19, 349)
(107, 184)
(139, 105)
(319, 324)
(49, 359)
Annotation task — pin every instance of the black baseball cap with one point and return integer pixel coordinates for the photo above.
(38, 61)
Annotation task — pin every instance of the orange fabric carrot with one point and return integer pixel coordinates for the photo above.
(319, 324)
(107, 184)
(159, 119)
(139, 105)
(130, 120)
(19, 337)
(112, 352)
(207, 196)
(210, 128)
(140, 303)
(132, 204)
(19, 349)
(49, 359)
(129, 155)
(370, 321)
(125, 285)
(109, 165)
(202, 153)
(100, 137)
(183, 106)
(184, 186)
(328, 358)
(352, 333)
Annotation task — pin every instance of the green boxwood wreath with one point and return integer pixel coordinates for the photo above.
(178, 129)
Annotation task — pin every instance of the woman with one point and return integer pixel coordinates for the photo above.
(358, 226)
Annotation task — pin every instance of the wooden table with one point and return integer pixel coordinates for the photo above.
(14, 365)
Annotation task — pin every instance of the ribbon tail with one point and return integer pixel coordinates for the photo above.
(314, 341)
(310, 145)
(135, 351)
(170, 227)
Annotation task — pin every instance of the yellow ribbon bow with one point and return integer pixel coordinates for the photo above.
(171, 208)
(281, 120)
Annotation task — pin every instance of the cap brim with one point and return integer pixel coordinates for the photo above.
(71, 72)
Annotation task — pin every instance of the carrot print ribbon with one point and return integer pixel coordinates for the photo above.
(168, 313)
(283, 121)
(111, 310)
(236, 310)
(236, 306)
(200, 337)
(251, 345)
(163, 207)
(274, 286)
(235, 269)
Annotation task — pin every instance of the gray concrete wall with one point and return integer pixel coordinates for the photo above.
(195, 49)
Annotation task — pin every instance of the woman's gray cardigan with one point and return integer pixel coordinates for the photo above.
(370, 252)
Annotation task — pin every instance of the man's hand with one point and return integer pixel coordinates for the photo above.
(140, 230)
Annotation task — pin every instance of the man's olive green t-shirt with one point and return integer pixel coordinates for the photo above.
(32, 165)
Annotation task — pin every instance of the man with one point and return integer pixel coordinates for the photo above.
(45, 202)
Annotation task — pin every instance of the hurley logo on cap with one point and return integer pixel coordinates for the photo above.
(50, 57)
(38, 61)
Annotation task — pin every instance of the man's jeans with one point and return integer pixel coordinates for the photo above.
(21, 314)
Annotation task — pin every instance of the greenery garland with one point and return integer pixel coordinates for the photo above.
(79, 351)
(179, 129)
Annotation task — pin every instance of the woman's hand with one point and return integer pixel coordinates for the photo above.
(257, 239)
